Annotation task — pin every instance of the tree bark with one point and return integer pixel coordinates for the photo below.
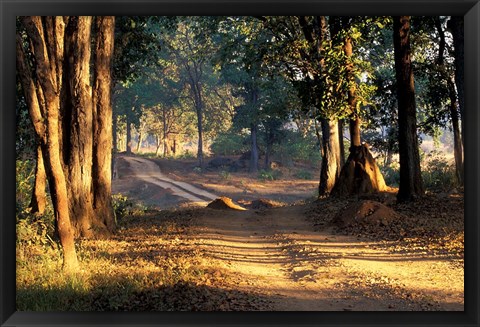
(411, 184)
(79, 142)
(102, 117)
(354, 123)
(47, 126)
(330, 169)
(68, 115)
(342, 144)
(457, 139)
(254, 149)
(139, 143)
(129, 136)
(39, 195)
(455, 25)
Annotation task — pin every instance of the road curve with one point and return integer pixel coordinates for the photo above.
(149, 172)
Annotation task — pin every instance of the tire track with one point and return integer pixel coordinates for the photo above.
(149, 172)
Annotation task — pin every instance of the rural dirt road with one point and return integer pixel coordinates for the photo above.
(277, 254)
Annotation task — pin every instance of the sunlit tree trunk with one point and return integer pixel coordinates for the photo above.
(45, 117)
(39, 195)
(78, 142)
(129, 135)
(102, 118)
(354, 123)
(330, 169)
(411, 184)
(72, 119)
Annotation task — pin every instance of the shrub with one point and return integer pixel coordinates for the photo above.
(25, 175)
(297, 148)
(391, 173)
(269, 174)
(224, 174)
(438, 173)
(229, 144)
(122, 206)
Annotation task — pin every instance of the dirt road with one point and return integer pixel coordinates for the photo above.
(276, 253)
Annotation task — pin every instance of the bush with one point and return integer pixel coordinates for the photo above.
(25, 176)
(228, 144)
(294, 147)
(391, 173)
(438, 173)
(224, 174)
(269, 174)
(122, 206)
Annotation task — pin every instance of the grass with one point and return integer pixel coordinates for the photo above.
(131, 271)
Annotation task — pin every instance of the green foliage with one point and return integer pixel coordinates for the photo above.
(269, 174)
(438, 173)
(391, 173)
(230, 143)
(294, 147)
(224, 174)
(122, 206)
(25, 176)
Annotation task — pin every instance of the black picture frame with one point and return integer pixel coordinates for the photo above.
(9, 9)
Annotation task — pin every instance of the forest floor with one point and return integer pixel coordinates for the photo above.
(285, 254)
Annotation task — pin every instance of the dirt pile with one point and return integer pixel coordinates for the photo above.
(365, 213)
(224, 203)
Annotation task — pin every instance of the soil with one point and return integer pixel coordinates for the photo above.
(289, 255)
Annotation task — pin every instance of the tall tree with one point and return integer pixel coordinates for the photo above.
(71, 113)
(455, 25)
(411, 184)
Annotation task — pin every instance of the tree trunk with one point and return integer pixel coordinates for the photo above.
(411, 184)
(456, 27)
(39, 196)
(114, 144)
(139, 143)
(200, 135)
(129, 136)
(457, 139)
(48, 72)
(354, 127)
(159, 144)
(68, 115)
(342, 144)
(78, 143)
(102, 147)
(114, 132)
(330, 169)
(254, 149)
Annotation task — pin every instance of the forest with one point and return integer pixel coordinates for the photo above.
(240, 163)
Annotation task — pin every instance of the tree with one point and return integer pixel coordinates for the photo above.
(191, 48)
(71, 114)
(411, 184)
(455, 25)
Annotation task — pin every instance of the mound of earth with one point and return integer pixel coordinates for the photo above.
(224, 203)
(264, 204)
(365, 213)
